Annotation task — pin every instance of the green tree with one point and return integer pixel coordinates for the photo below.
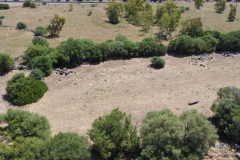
(192, 27)
(199, 134)
(199, 3)
(6, 62)
(69, 146)
(161, 135)
(56, 25)
(115, 12)
(26, 124)
(147, 18)
(220, 6)
(232, 13)
(133, 11)
(167, 18)
(114, 136)
(23, 148)
(25, 90)
(166, 136)
(227, 111)
(34, 51)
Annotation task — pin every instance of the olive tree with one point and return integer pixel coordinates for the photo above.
(56, 25)
(115, 12)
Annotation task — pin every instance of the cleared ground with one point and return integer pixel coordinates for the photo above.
(73, 102)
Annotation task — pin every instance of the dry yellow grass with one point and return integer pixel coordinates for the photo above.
(96, 26)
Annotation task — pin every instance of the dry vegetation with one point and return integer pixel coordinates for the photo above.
(74, 101)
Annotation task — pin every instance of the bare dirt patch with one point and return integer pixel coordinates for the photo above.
(74, 101)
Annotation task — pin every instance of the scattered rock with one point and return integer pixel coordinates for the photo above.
(63, 71)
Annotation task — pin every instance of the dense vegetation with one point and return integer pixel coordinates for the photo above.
(227, 110)
(6, 62)
(23, 90)
(4, 6)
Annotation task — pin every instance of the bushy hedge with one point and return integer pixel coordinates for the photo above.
(34, 51)
(23, 90)
(6, 62)
(4, 6)
(185, 45)
(44, 63)
(229, 41)
(40, 41)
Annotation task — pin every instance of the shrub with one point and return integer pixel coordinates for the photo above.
(187, 8)
(4, 6)
(220, 6)
(120, 37)
(6, 62)
(166, 136)
(40, 31)
(44, 63)
(34, 51)
(21, 25)
(27, 3)
(25, 90)
(26, 124)
(114, 136)
(68, 146)
(229, 41)
(89, 12)
(227, 112)
(182, 8)
(40, 41)
(44, 3)
(157, 62)
(95, 55)
(214, 33)
(33, 5)
(149, 47)
(37, 74)
(232, 13)
(0, 22)
(131, 48)
(210, 43)
(199, 3)
(185, 45)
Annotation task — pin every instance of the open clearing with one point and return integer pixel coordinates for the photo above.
(74, 101)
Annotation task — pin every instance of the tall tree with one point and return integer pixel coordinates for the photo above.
(133, 10)
(167, 18)
(232, 13)
(115, 12)
(199, 3)
(147, 17)
(220, 6)
(56, 25)
(192, 27)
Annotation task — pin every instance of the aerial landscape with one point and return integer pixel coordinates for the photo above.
(120, 80)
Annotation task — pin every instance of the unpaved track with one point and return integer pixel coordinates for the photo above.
(73, 102)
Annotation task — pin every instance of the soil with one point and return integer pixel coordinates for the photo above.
(73, 102)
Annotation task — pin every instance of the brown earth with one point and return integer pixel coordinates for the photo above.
(73, 102)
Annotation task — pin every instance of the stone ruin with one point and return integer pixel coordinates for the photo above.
(200, 59)
(63, 71)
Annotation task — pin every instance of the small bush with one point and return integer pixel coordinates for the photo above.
(27, 3)
(40, 41)
(33, 5)
(157, 62)
(210, 43)
(187, 8)
(40, 31)
(232, 13)
(25, 90)
(34, 51)
(89, 13)
(182, 8)
(93, 5)
(44, 3)
(0, 21)
(21, 25)
(120, 37)
(4, 6)
(37, 74)
(6, 62)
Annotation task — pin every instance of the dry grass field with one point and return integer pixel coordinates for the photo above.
(73, 102)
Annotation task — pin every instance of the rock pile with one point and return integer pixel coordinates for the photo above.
(63, 71)
(203, 57)
(227, 54)
(17, 58)
(20, 67)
